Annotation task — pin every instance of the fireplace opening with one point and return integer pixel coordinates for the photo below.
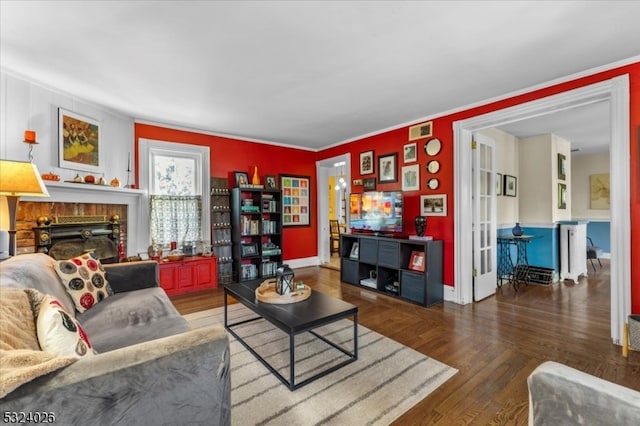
(71, 236)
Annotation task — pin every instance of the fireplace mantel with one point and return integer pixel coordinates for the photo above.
(64, 192)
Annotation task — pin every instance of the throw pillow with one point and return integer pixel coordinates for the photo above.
(84, 279)
(58, 332)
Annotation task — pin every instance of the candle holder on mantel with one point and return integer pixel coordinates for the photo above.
(128, 185)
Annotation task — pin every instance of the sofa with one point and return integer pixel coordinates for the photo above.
(146, 365)
(561, 395)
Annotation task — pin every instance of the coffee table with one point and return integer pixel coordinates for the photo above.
(294, 318)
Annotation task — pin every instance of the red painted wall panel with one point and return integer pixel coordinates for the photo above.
(229, 155)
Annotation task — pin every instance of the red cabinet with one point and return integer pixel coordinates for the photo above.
(190, 274)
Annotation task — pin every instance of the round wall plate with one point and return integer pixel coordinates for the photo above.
(433, 166)
(433, 183)
(432, 146)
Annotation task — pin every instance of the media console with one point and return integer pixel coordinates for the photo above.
(405, 268)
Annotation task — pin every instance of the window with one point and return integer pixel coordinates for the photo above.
(177, 178)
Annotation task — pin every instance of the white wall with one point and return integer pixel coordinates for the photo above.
(582, 166)
(538, 159)
(29, 106)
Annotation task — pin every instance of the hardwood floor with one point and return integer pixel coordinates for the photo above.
(495, 344)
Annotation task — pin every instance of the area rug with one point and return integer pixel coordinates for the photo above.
(387, 379)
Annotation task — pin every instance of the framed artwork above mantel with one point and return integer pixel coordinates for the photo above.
(79, 146)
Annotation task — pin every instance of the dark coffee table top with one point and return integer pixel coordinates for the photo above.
(317, 310)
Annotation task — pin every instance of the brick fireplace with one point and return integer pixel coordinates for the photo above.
(30, 213)
(69, 199)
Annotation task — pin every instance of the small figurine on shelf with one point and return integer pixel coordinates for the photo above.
(115, 182)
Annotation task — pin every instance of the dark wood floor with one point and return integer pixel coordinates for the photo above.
(495, 344)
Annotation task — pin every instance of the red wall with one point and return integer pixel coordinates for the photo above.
(443, 227)
(229, 155)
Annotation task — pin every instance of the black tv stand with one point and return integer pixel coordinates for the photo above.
(383, 263)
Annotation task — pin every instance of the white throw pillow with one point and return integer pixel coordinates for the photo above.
(59, 332)
(84, 279)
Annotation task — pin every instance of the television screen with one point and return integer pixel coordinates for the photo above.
(376, 211)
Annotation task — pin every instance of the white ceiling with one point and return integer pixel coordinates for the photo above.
(311, 74)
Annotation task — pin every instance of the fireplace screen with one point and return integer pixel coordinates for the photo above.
(66, 239)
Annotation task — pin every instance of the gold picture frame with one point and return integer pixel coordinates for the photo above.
(420, 131)
(79, 146)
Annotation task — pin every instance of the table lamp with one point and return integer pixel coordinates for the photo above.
(19, 178)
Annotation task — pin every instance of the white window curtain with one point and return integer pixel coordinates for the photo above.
(175, 218)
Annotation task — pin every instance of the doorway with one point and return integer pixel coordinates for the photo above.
(324, 170)
(616, 91)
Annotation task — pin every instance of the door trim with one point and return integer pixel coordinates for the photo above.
(616, 91)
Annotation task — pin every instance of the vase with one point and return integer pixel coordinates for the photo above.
(421, 224)
(517, 230)
(256, 178)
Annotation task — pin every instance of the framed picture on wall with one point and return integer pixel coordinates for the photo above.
(498, 183)
(562, 167)
(296, 200)
(410, 153)
(369, 184)
(366, 163)
(510, 186)
(388, 168)
(411, 178)
(433, 205)
(562, 196)
(79, 146)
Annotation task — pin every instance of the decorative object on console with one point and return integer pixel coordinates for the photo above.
(256, 178)
(296, 200)
(416, 263)
(79, 146)
(388, 168)
(50, 177)
(241, 179)
(18, 179)
(433, 205)
(517, 230)
(421, 224)
(366, 163)
(270, 182)
(284, 280)
(419, 131)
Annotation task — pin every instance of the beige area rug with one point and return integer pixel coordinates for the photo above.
(387, 379)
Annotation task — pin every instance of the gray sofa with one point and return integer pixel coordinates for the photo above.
(561, 395)
(150, 368)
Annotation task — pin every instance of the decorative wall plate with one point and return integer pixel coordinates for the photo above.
(433, 166)
(433, 183)
(432, 146)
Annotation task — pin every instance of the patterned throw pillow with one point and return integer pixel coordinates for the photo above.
(84, 279)
(58, 332)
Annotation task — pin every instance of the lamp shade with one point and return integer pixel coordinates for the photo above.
(21, 179)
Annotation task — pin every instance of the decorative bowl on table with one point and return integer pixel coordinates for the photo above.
(175, 255)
